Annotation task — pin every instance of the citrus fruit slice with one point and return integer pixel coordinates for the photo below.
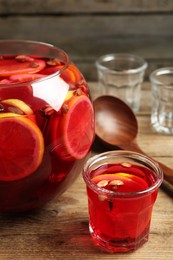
(8, 114)
(71, 74)
(69, 95)
(16, 106)
(74, 134)
(10, 67)
(121, 182)
(20, 78)
(21, 148)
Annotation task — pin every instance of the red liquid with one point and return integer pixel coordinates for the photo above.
(42, 150)
(121, 223)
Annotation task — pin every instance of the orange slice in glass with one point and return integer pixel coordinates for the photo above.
(10, 67)
(20, 78)
(17, 106)
(124, 182)
(21, 147)
(71, 74)
(74, 134)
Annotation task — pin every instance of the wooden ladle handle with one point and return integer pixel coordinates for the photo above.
(167, 172)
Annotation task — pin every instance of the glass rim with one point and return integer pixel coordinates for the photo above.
(125, 56)
(116, 153)
(160, 72)
(51, 46)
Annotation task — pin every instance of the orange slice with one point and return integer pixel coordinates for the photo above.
(124, 182)
(8, 114)
(10, 67)
(71, 74)
(74, 134)
(19, 78)
(21, 148)
(69, 95)
(17, 106)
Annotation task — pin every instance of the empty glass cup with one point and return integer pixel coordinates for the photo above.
(121, 75)
(162, 100)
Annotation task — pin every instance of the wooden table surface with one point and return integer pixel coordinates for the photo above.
(60, 229)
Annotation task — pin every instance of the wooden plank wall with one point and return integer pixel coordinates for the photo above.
(86, 29)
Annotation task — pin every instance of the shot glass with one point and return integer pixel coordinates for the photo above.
(162, 100)
(122, 187)
(121, 75)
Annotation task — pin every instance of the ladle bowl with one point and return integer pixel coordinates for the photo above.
(116, 125)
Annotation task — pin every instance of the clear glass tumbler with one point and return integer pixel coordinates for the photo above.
(122, 188)
(162, 100)
(121, 75)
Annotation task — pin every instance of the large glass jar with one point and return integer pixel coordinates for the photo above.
(46, 124)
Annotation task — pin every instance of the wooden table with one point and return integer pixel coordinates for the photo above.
(60, 229)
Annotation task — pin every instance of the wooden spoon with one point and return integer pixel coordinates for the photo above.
(116, 125)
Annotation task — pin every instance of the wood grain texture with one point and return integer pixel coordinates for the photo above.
(84, 6)
(86, 37)
(60, 229)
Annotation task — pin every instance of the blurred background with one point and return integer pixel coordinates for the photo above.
(86, 29)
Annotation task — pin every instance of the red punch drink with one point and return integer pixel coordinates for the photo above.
(122, 188)
(46, 124)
